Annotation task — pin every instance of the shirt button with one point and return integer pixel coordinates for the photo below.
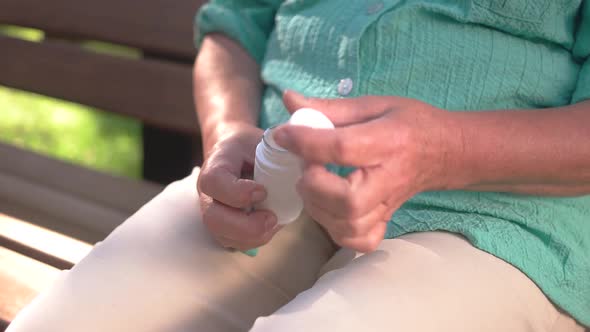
(375, 8)
(345, 87)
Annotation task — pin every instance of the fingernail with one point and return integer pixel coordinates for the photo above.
(257, 196)
(270, 223)
(276, 228)
(281, 138)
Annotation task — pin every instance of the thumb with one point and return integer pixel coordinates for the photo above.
(341, 111)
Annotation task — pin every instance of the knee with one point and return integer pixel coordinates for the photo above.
(170, 220)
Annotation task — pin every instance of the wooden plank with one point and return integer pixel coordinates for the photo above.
(158, 26)
(41, 244)
(21, 279)
(33, 253)
(56, 223)
(67, 209)
(155, 92)
(118, 193)
(75, 201)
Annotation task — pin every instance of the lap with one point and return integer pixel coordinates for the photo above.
(161, 271)
(420, 282)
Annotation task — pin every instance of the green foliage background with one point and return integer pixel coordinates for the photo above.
(68, 131)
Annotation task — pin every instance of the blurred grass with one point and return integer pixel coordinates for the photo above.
(68, 131)
(71, 132)
(22, 33)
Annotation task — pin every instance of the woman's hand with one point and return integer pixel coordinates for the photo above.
(227, 90)
(226, 198)
(397, 146)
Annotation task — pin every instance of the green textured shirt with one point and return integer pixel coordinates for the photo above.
(457, 55)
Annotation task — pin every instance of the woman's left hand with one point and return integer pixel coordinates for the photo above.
(397, 146)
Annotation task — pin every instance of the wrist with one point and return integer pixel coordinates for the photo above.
(215, 132)
(454, 170)
(447, 168)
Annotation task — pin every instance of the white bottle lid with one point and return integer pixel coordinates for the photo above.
(310, 118)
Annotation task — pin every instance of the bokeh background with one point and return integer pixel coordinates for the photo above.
(75, 133)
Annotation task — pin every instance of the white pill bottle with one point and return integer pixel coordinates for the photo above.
(278, 170)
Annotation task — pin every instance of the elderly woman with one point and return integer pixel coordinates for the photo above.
(461, 203)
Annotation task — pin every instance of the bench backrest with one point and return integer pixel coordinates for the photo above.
(155, 88)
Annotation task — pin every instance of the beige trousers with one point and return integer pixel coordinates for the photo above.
(161, 272)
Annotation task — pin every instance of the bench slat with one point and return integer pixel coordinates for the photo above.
(55, 223)
(157, 26)
(122, 194)
(78, 202)
(34, 253)
(156, 92)
(41, 244)
(61, 208)
(21, 279)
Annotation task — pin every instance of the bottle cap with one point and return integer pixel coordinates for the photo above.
(311, 118)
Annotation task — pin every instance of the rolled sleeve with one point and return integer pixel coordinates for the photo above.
(249, 22)
(582, 51)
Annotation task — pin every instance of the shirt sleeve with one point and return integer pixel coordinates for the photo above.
(249, 22)
(582, 51)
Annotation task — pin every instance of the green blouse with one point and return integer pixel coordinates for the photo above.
(457, 55)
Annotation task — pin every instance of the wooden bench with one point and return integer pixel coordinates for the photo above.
(50, 211)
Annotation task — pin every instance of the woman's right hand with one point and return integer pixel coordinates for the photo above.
(226, 198)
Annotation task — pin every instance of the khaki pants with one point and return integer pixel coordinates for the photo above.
(161, 272)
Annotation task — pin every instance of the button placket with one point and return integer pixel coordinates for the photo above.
(347, 84)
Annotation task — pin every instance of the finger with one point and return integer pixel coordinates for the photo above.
(347, 198)
(343, 111)
(327, 220)
(363, 144)
(327, 190)
(365, 243)
(221, 181)
(232, 223)
(346, 227)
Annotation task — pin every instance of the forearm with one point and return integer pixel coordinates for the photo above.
(227, 88)
(542, 152)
